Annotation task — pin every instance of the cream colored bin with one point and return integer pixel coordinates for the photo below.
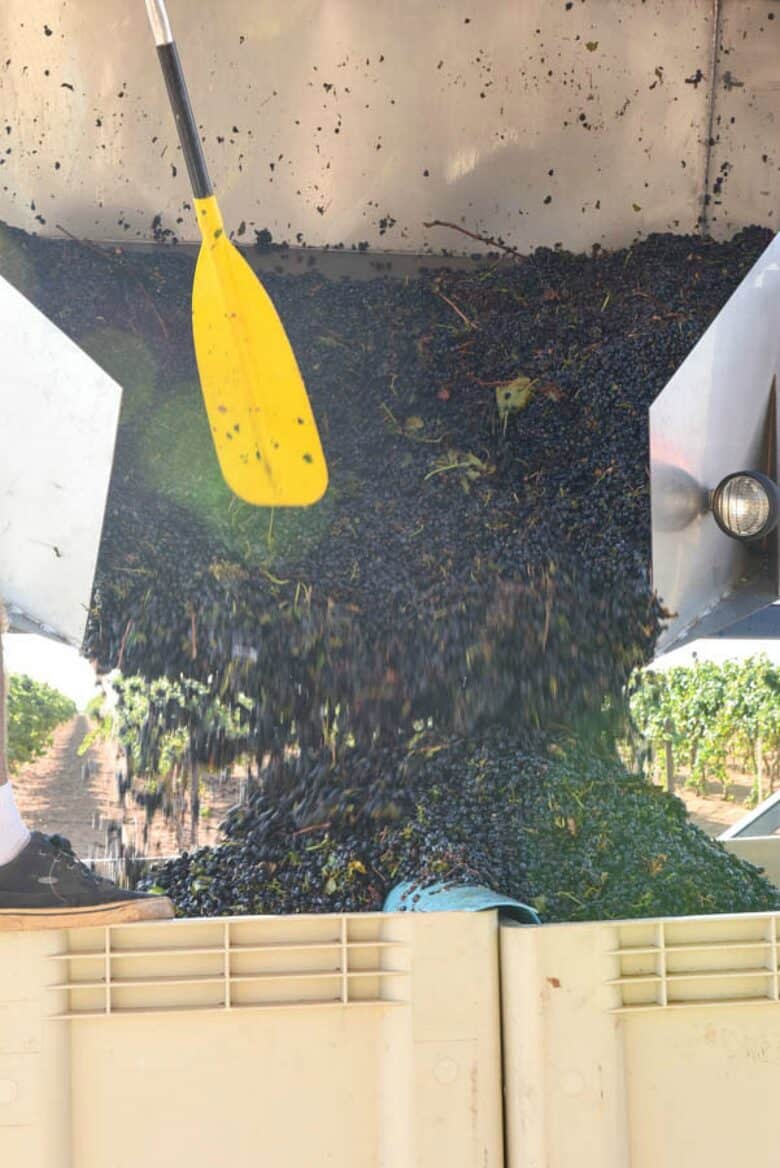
(642, 1044)
(761, 850)
(376, 1042)
(287, 1042)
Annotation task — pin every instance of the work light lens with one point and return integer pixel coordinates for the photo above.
(744, 507)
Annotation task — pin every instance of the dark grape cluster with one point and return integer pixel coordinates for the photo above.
(476, 574)
(567, 831)
(436, 501)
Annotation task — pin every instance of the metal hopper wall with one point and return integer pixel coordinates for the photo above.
(334, 122)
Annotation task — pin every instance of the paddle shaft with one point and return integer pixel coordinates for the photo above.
(186, 125)
(262, 425)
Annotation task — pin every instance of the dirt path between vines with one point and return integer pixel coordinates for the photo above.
(711, 812)
(77, 797)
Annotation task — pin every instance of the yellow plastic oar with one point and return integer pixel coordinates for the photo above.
(261, 421)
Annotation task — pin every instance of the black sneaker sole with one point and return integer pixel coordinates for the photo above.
(120, 912)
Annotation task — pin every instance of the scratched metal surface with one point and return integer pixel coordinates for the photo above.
(713, 418)
(337, 122)
(58, 419)
(745, 161)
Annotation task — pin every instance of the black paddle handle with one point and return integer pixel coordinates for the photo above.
(189, 137)
(186, 125)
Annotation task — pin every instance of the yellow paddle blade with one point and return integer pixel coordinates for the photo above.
(261, 421)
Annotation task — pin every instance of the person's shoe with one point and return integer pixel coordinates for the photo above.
(46, 886)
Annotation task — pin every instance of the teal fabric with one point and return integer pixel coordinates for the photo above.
(408, 897)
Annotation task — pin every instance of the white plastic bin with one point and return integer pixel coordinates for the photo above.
(348, 1040)
(642, 1044)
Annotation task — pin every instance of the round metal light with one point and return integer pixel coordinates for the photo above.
(746, 505)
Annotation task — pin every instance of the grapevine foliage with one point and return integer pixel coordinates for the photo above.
(713, 715)
(168, 730)
(35, 710)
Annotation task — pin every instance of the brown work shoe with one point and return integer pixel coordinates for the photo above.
(47, 887)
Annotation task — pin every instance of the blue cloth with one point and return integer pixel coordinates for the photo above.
(410, 897)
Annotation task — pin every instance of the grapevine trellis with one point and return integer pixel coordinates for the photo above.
(35, 710)
(710, 719)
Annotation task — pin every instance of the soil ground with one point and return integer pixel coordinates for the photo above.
(711, 811)
(76, 796)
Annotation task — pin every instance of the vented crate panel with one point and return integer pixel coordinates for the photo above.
(683, 963)
(232, 964)
(627, 1043)
(354, 1040)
